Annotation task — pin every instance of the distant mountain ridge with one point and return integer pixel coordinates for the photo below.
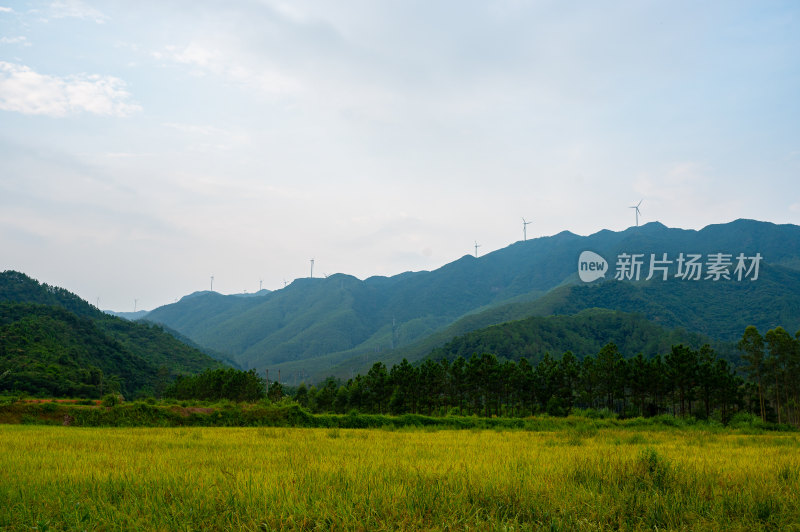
(341, 324)
(130, 316)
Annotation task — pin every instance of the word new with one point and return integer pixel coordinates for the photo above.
(591, 266)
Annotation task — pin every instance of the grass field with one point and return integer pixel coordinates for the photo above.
(341, 479)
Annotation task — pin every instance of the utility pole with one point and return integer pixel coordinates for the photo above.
(267, 370)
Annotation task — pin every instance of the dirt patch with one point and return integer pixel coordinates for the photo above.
(60, 401)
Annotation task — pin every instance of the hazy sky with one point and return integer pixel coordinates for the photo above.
(147, 145)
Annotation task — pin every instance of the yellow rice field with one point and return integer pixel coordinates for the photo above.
(337, 479)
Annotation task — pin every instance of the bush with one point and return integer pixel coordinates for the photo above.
(8, 399)
(50, 406)
(593, 413)
(111, 399)
(746, 421)
(654, 471)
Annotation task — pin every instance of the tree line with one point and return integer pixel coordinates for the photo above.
(217, 384)
(683, 382)
(773, 369)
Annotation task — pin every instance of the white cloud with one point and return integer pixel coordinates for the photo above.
(24, 91)
(209, 59)
(4, 9)
(76, 9)
(15, 40)
(196, 55)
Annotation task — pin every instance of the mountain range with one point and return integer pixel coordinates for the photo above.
(340, 324)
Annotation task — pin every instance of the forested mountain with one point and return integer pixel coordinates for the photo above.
(718, 311)
(55, 343)
(583, 334)
(340, 324)
(50, 350)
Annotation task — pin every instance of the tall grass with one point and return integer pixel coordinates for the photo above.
(344, 479)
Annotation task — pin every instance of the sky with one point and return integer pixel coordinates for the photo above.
(146, 146)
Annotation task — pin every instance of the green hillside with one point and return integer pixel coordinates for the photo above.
(341, 324)
(51, 351)
(584, 334)
(718, 311)
(53, 342)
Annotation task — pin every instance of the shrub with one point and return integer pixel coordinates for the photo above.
(111, 399)
(654, 470)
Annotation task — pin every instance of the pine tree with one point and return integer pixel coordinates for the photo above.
(752, 347)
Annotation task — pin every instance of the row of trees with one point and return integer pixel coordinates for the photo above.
(217, 384)
(682, 382)
(773, 366)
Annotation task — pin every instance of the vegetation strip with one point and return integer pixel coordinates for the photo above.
(88, 413)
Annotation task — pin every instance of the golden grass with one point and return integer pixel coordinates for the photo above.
(340, 479)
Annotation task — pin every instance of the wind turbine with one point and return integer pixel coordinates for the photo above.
(312, 268)
(638, 212)
(212, 283)
(260, 284)
(525, 229)
(476, 248)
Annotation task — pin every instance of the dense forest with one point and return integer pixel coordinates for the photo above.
(50, 351)
(583, 334)
(217, 384)
(685, 381)
(53, 343)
